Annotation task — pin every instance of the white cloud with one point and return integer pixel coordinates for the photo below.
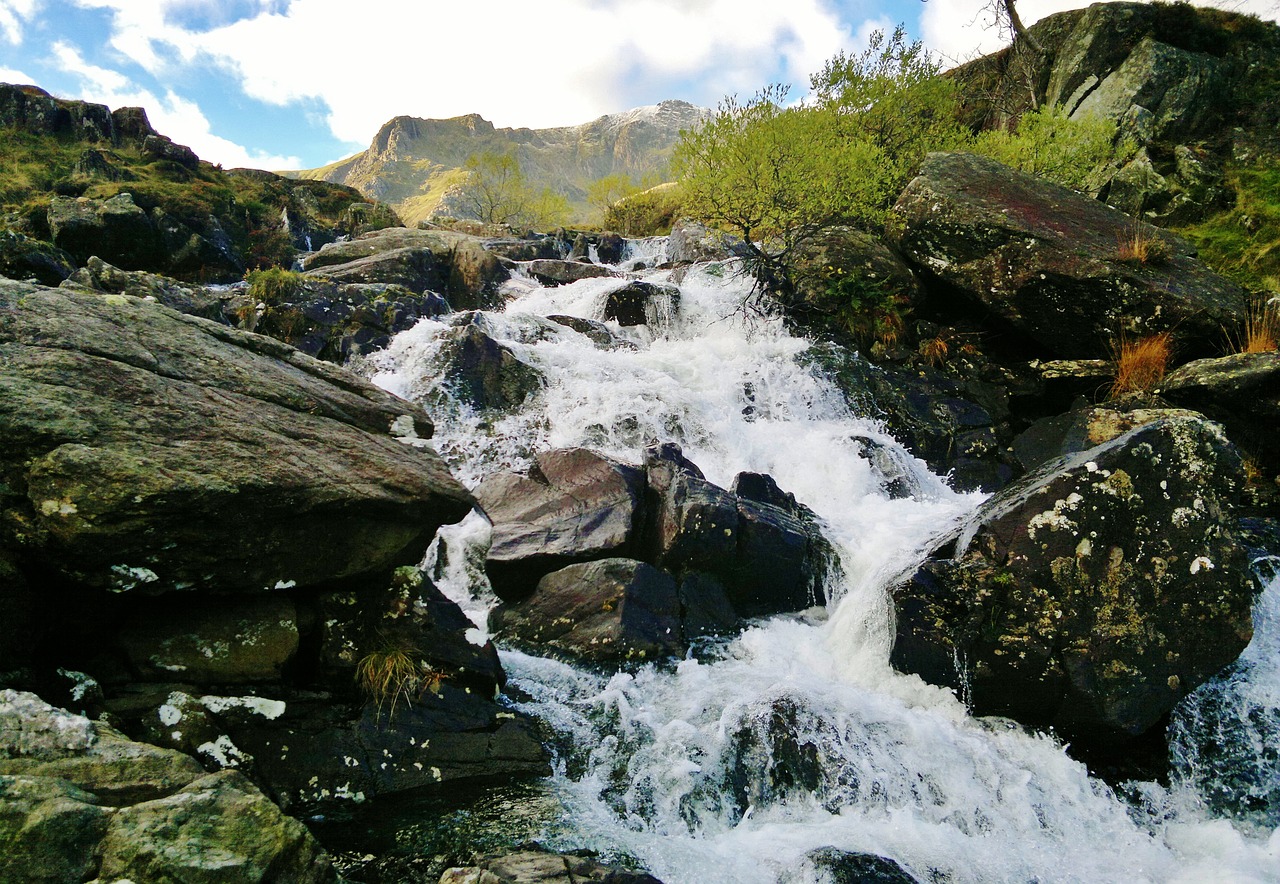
(964, 29)
(9, 75)
(170, 114)
(12, 15)
(556, 62)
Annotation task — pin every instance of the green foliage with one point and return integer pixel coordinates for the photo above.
(646, 213)
(274, 286)
(866, 308)
(1243, 242)
(891, 97)
(267, 307)
(779, 176)
(604, 193)
(1048, 143)
(497, 192)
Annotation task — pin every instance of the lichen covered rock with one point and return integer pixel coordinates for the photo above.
(1093, 594)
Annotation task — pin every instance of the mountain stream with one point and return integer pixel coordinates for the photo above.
(731, 765)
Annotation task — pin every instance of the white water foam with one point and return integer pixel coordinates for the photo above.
(797, 734)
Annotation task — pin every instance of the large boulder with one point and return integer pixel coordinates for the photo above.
(148, 449)
(642, 303)
(534, 865)
(24, 258)
(1095, 593)
(452, 264)
(482, 373)
(769, 555)
(574, 506)
(556, 272)
(1053, 264)
(606, 611)
(116, 230)
(78, 801)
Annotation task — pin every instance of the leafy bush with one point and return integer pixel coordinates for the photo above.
(647, 213)
(1048, 143)
(497, 192)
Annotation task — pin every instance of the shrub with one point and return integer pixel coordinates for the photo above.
(1140, 364)
(647, 213)
(1051, 145)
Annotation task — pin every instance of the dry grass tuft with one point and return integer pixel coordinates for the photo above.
(389, 674)
(1141, 364)
(935, 350)
(1261, 326)
(1140, 245)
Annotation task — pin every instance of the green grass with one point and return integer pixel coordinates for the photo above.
(1243, 243)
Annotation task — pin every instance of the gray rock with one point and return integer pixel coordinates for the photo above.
(642, 303)
(24, 258)
(691, 243)
(1241, 391)
(606, 611)
(50, 830)
(1047, 261)
(99, 276)
(484, 374)
(218, 829)
(542, 867)
(156, 450)
(1095, 593)
(160, 147)
(575, 505)
(554, 272)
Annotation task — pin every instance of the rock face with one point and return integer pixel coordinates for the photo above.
(1095, 593)
(411, 156)
(79, 801)
(24, 258)
(1049, 262)
(556, 272)
(614, 564)
(99, 276)
(1241, 391)
(257, 465)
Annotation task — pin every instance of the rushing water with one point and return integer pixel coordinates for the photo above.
(796, 735)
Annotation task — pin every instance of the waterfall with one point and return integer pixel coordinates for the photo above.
(732, 764)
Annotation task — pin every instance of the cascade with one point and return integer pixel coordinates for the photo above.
(732, 764)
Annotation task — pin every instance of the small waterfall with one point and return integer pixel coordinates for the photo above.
(797, 735)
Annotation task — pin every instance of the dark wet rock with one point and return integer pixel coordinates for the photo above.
(483, 373)
(606, 611)
(573, 506)
(116, 230)
(24, 258)
(1241, 391)
(1095, 593)
(580, 250)
(843, 867)
(598, 332)
(538, 866)
(152, 450)
(775, 753)
(441, 732)
(99, 276)
(219, 828)
(555, 272)
(1052, 437)
(610, 248)
(768, 559)
(642, 303)
(705, 608)
(957, 426)
(1047, 261)
(223, 642)
(407, 613)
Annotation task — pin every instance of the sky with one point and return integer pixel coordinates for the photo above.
(288, 84)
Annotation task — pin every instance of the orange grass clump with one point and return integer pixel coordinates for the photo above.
(1261, 326)
(1140, 246)
(1140, 364)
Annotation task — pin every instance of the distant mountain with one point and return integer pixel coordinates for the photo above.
(412, 163)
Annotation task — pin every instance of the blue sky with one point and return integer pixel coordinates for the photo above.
(283, 84)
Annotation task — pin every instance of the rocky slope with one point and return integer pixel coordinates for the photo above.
(412, 163)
